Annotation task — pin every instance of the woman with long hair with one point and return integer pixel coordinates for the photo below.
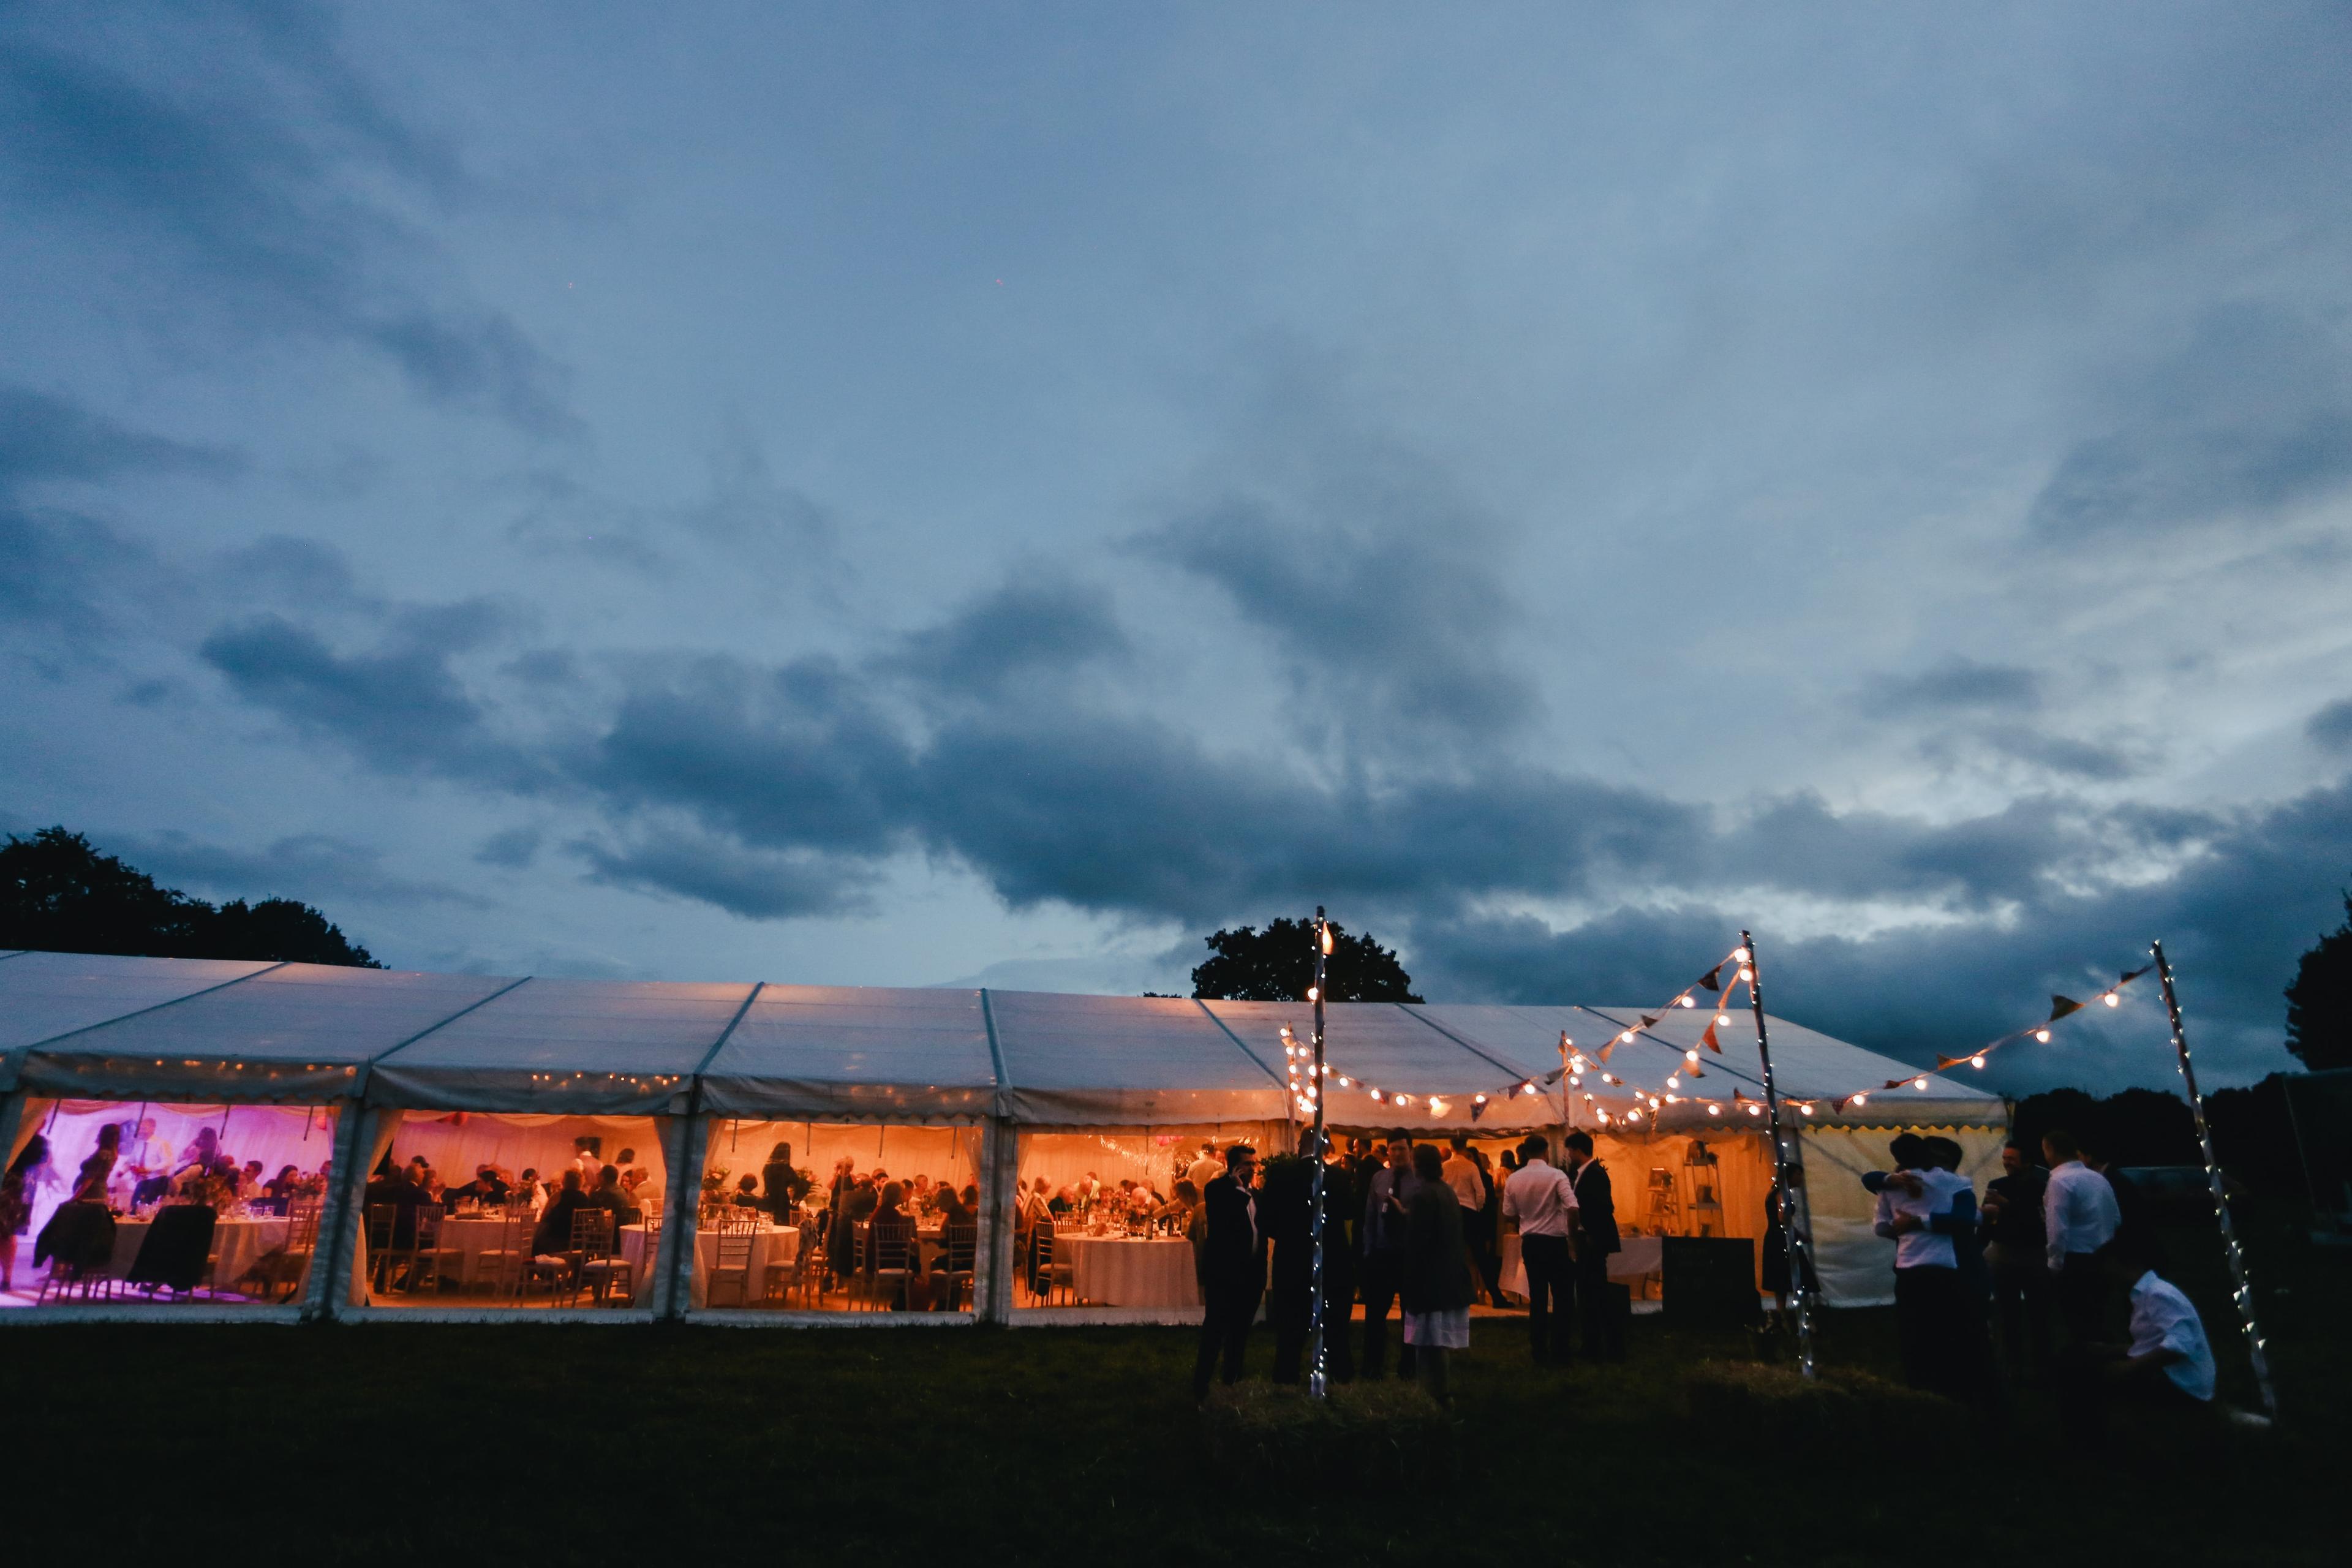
(1436, 1274)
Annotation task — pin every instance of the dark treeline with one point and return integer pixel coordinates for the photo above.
(59, 894)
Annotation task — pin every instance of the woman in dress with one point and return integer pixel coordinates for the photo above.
(89, 1186)
(29, 1172)
(1436, 1274)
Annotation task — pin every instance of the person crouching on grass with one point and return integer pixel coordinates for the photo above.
(2167, 1370)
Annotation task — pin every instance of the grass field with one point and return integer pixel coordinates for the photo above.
(541, 1443)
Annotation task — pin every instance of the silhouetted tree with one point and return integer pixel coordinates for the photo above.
(2319, 1003)
(59, 894)
(1277, 964)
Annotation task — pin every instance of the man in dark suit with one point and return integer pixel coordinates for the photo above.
(1233, 1268)
(1596, 1224)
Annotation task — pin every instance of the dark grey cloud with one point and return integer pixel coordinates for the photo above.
(757, 884)
(747, 524)
(1380, 584)
(2069, 756)
(236, 150)
(1956, 685)
(2331, 728)
(2258, 888)
(46, 437)
(2252, 417)
(400, 707)
(511, 849)
(315, 868)
(1037, 623)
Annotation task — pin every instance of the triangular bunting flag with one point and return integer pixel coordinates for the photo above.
(1839, 1104)
(1943, 1062)
(1604, 1050)
(1478, 1108)
(1707, 1039)
(2135, 973)
(1739, 1096)
(1649, 1020)
(1713, 980)
(1894, 1083)
(1695, 1071)
(2062, 1006)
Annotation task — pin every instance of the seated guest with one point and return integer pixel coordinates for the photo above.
(553, 1236)
(1063, 1201)
(746, 1194)
(2166, 1369)
(248, 1181)
(608, 1194)
(639, 1186)
(485, 1188)
(527, 1187)
(284, 1186)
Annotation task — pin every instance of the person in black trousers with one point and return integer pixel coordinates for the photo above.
(1596, 1226)
(2016, 1245)
(1381, 1238)
(1233, 1268)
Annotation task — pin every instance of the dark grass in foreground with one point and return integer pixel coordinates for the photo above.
(429, 1443)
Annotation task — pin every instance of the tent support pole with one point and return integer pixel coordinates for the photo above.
(331, 1269)
(1315, 1386)
(1788, 1169)
(679, 1219)
(1000, 1160)
(2243, 1295)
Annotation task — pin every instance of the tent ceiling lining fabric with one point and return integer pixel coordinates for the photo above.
(177, 1028)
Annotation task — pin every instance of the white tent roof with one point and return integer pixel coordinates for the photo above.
(164, 1028)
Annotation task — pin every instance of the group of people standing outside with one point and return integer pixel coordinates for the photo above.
(2070, 1240)
(1408, 1225)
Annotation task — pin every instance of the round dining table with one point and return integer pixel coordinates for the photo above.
(239, 1244)
(769, 1245)
(1129, 1270)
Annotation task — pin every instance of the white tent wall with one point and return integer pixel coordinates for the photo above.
(739, 1147)
(1857, 1266)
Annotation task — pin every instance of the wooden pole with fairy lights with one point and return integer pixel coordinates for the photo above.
(2243, 1293)
(1787, 1167)
(1316, 1385)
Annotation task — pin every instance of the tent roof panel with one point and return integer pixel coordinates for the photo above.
(45, 995)
(1129, 1061)
(293, 1031)
(805, 1051)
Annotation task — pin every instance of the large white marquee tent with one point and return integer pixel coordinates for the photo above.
(997, 1076)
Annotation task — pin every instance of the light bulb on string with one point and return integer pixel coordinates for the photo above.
(1691, 1057)
(1723, 1020)
(1685, 1000)
(2112, 1000)
(1920, 1082)
(2042, 1036)
(1739, 955)
(1977, 1061)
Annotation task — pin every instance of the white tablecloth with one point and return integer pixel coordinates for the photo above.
(1637, 1257)
(1123, 1272)
(768, 1246)
(472, 1238)
(238, 1243)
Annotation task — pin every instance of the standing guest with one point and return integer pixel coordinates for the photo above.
(1437, 1279)
(1780, 1216)
(1468, 1185)
(28, 1174)
(1541, 1201)
(1386, 1197)
(1596, 1237)
(202, 1152)
(1207, 1168)
(2017, 1251)
(89, 1185)
(1927, 1270)
(587, 1157)
(2078, 1217)
(785, 1186)
(2134, 1224)
(1234, 1268)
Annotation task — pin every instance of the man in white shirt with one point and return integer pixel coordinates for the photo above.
(2079, 1212)
(1207, 1168)
(1469, 1184)
(1926, 1269)
(1541, 1200)
(2169, 1365)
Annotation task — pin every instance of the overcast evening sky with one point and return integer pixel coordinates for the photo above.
(913, 494)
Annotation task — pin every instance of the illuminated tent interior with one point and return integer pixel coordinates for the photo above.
(987, 1090)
